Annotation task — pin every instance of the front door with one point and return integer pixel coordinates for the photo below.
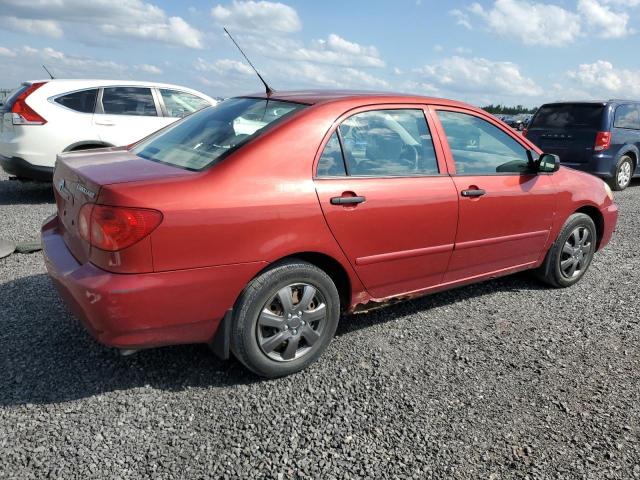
(506, 210)
(388, 200)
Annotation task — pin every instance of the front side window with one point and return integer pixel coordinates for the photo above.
(83, 102)
(128, 101)
(627, 116)
(180, 104)
(480, 148)
(204, 138)
(388, 143)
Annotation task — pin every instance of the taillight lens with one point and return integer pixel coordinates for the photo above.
(116, 228)
(23, 114)
(603, 141)
(524, 132)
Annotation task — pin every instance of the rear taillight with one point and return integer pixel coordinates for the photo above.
(603, 141)
(23, 114)
(524, 132)
(116, 228)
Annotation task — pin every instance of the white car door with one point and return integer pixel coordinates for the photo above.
(127, 114)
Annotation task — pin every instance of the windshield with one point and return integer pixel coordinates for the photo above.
(569, 116)
(205, 137)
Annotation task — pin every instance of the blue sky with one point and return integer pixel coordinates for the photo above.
(509, 51)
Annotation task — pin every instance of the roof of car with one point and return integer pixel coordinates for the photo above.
(312, 97)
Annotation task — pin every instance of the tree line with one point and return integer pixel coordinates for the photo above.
(506, 110)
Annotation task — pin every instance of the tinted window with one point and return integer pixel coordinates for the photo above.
(627, 116)
(388, 143)
(84, 101)
(478, 147)
(129, 101)
(202, 139)
(568, 116)
(179, 104)
(331, 163)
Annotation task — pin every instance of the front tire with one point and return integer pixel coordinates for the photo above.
(570, 255)
(622, 176)
(285, 319)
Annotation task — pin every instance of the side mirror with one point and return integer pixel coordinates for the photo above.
(548, 163)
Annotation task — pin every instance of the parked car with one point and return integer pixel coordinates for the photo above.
(602, 138)
(256, 240)
(44, 118)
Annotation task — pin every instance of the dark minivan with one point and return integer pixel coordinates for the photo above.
(602, 138)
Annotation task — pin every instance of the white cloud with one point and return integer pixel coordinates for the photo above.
(607, 23)
(532, 23)
(152, 69)
(129, 18)
(48, 28)
(462, 18)
(223, 66)
(257, 16)
(5, 52)
(71, 66)
(477, 76)
(335, 50)
(601, 78)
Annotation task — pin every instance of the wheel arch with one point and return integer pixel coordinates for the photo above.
(86, 145)
(595, 215)
(630, 151)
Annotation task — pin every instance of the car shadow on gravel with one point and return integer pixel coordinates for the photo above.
(47, 357)
(15, 192)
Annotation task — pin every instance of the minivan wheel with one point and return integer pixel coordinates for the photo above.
(285, 319)
(623, 174)
(570, 255)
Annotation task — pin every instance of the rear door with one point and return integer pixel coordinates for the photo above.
(506, 212)
(127, 114)
(568, 130)
(388, 199)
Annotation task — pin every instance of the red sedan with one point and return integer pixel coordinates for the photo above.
(253, 224)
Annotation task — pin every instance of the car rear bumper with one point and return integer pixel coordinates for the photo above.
(21, 168)
(601, 165)
(144, 310)
(610, 216)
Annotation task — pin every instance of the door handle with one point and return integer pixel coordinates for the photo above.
(475, 192)
(347, 200)
(105, 123)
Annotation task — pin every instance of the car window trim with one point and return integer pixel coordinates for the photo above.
(522, 141)
(53, 99)
(335, 127)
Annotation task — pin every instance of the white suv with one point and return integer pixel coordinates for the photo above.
(44, 118)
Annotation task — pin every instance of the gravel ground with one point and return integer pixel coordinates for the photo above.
(506, 379)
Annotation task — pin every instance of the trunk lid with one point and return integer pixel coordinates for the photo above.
(79, 178)
(568, 130)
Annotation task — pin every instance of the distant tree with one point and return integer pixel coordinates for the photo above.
(505, 110)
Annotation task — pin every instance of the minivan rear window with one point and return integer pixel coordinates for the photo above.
(569, 116)
(205, 137)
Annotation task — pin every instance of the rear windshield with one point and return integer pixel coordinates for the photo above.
(205, 137)
(569, 116)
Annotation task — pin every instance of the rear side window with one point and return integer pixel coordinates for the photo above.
(627, 116)
(388, 143)
(569, 116)
(128, 101)
(179, 104)
(84, 101)
(331, 163)
(480, 148)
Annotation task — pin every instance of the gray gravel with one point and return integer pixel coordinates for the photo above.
(505, 379)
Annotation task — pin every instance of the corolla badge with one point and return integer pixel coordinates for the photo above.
(85, 190)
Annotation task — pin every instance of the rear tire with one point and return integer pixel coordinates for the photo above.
(285, 319)
(622, 176)
(570, 255)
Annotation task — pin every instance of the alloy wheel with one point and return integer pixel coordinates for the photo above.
(291, 322)
(576, 252)
(624, 174)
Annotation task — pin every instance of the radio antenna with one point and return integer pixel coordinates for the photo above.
(47, 70)
(267, 88)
